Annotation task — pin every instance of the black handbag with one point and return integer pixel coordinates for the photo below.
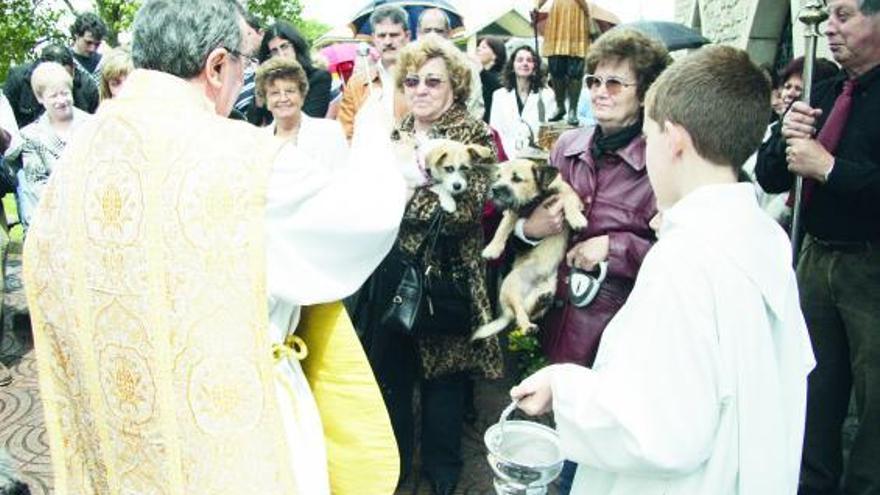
(425, 303)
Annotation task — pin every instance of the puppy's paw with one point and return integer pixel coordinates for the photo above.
(531, 328)
(447, 203)
(493, 251)
(577, 221)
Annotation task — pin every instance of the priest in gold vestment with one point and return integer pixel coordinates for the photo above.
(167, 268)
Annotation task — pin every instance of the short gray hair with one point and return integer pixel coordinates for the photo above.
(869, 7)
(442, 12)
(177, 36)
(391, 13)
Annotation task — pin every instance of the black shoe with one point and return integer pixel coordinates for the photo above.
(443, 487)
(559, 116)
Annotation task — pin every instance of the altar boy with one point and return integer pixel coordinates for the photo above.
(699, 385)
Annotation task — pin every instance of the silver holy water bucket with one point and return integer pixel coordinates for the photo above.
(524, 455)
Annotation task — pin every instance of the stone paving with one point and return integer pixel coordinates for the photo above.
(22, 432)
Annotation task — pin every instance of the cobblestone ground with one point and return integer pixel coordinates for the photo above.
(22, 432)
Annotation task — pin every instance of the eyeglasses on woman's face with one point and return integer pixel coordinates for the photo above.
(613, 84)
(431, 82)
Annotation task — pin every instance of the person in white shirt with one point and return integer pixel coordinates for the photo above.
(699, 386)
(282, 83)
(523, 104)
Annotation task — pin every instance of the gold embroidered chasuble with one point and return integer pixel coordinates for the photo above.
(145, 272)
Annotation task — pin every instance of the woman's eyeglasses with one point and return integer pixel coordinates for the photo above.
(613, 84)
(431, 82)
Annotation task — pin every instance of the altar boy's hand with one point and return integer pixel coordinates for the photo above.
(534, 393)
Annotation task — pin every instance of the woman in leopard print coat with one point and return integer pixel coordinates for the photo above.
(435, 79)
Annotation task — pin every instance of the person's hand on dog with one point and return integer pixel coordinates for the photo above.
(800, 121)
(808, 158)
(546, 220)
(587, 254)
(534, 394)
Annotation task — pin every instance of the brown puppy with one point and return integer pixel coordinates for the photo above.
(448, 164)
(528, 288)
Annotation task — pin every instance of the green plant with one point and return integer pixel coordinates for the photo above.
(527, 351)
(23, 25)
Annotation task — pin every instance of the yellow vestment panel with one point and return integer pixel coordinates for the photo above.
(361, 448)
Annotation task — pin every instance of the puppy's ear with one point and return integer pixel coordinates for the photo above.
(479, 153)
(435, 156)
(544, 176)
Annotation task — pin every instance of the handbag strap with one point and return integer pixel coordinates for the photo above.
(430, 242)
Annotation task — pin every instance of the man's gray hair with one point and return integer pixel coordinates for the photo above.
(391, 13)
(869, 7)
(177, 36)
(435, 10)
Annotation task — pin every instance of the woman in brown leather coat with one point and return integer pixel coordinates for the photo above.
(605, 164)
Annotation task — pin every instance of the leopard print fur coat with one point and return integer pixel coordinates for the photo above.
(457, 251)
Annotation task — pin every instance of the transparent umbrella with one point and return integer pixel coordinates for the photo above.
(361, 22)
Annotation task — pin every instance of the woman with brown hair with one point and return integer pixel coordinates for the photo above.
(282, 84)
(115, 67)
(605, 164)
(517, 111)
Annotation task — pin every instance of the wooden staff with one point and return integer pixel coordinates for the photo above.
(812, 14)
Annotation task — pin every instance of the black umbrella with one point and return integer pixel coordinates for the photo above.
(361, 22)
(674, 35)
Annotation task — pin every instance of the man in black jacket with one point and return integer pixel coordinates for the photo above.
(88, 32)
(839, 266)
(21, 96)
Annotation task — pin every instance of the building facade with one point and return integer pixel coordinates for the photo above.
(767, 29)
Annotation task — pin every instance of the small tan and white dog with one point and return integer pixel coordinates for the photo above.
(528, 289)
(448, 165)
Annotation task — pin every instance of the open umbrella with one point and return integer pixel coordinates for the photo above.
(674, 35)
(361, 22)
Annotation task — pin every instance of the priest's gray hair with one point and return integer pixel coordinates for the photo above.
(176, 36)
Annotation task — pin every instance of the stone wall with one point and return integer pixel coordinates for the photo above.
(757, 26)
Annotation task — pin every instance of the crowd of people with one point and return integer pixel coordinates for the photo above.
(171, 191)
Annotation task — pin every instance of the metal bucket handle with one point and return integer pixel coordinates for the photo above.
(503, 419)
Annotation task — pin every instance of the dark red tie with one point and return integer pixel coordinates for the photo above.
(830, 134)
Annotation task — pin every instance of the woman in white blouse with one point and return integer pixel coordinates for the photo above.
(282, 83)
(516, 113)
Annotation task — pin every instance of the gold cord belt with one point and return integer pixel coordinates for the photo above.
(293, 347)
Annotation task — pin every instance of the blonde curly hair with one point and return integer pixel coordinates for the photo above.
(415, 55)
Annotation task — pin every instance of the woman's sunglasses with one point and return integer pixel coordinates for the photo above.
(613, 84)
(431, 82)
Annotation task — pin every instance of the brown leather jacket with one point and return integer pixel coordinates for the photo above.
(619, 203)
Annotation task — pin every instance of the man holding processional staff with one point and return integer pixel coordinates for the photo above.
(834, 144)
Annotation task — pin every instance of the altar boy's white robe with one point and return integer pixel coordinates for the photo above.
(699, 386)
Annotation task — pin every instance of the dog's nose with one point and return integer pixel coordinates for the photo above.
(457, 186)
(499, 191)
